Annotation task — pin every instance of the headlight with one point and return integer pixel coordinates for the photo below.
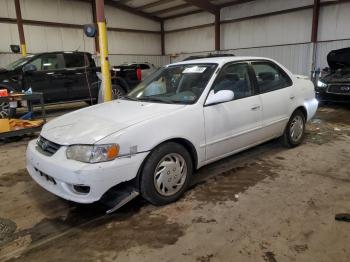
(93, 153)
(321, 84)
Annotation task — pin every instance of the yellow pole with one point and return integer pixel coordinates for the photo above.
(106, 73)
(24, 50)
(102, 35)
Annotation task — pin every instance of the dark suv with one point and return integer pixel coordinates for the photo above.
(334, 85)
(61, 76)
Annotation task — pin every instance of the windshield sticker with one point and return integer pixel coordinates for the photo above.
(194, 70)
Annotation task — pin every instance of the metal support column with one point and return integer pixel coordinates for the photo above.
(20, 28)
(102, 34)
(162, 37)
(314, 34)
(217, 32)
(94, 18)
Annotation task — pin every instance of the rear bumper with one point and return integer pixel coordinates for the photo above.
(59, 175)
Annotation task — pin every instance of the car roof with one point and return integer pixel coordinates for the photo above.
(221, 60)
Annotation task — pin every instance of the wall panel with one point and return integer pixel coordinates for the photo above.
(334, 22)
(260, 7)
(188, 21)
(7, 9)
(47, 39)
(190, 41)
(121, 19)
(273, 30)
(130, 43)
(63, 11)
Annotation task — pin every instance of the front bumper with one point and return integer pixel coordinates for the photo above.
(59, 175)
(329, 97)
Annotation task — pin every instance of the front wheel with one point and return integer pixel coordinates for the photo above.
(295, 130)
(166, 174)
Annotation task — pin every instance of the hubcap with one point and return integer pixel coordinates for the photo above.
(117, 93)
(4, 110)
(170, 174)
(296, 128)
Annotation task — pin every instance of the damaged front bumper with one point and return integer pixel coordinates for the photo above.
(76, 181)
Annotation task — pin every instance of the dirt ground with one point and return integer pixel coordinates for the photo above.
(266, 204)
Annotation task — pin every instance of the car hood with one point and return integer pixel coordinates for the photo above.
(89, 125)
(338, 59)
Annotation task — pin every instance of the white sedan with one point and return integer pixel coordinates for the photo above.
(186, 115)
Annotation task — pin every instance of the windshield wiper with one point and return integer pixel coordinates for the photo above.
(130, 98)
(156, 99)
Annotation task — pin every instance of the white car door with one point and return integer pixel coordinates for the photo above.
(234, 125)
(276, 91)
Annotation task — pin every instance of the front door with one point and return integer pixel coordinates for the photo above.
(49, 77)
(234, 125)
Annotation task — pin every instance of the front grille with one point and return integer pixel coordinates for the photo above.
(341, 89)
(47, 147)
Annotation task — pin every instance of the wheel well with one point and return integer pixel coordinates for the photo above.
(121, 82)
(185, 143)
(189, 147)
(303, 110)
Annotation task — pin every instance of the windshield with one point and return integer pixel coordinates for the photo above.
(182, 84)
(18, 63)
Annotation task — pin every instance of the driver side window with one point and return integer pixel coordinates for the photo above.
(47, 62)
(235, 77)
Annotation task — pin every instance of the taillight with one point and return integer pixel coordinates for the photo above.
(139, 74)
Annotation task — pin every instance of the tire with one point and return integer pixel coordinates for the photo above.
(295, 130)
(4, 110)
(161, 188)
(117, 92)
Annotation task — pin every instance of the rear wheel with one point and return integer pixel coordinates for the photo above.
(117, 92)
(295, 130)
(166, 174)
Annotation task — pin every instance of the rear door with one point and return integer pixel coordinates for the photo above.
(277, 94)
(49, 77)
(78, 76)
(233, 125)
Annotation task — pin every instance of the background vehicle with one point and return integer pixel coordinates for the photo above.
(184, 116)
(335, 85)
(62, 77)
(146, 68)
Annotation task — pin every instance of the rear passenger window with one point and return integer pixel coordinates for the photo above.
(235, 77)
(144, 66)
(270, 77)
(74, 60)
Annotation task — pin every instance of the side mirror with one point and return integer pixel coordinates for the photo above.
(219, 97)
(29, 68)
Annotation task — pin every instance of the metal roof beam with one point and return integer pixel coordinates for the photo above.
(205, 5)
(154, 4)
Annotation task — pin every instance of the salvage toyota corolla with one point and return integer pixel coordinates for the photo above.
(186, 115)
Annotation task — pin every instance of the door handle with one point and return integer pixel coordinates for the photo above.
(255, 108)
(292, 97)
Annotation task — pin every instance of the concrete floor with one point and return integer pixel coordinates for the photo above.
(266, 204)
